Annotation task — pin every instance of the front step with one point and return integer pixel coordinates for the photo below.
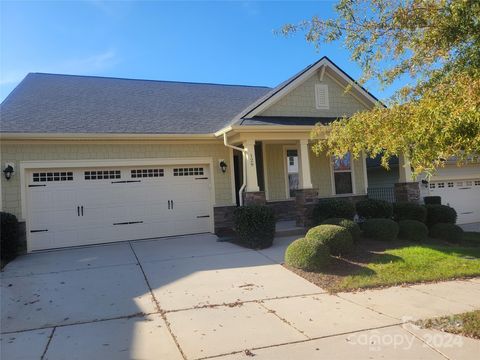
(288, 228)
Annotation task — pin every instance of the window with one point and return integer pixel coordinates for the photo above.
(102, 174)
(450, 184)
(468, 183)
(187, 171)
(53, 176)
(143, 173)
(460, 183)
(432, 185)
(477, 182)
(441, 185)
(292, 171)
(321, 96)
(342, 174)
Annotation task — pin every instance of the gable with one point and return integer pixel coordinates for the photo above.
(303, 101)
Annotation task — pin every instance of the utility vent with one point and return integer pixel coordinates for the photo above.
(321, 96)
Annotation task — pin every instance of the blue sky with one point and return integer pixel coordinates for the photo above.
(228, 42)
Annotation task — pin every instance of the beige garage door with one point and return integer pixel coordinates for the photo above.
(71, 207)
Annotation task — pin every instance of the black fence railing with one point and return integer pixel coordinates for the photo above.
(382, 193)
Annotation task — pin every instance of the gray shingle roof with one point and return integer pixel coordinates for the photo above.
(50, 103)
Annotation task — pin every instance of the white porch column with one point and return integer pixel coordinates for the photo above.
(251, 166)
(404, 170)
(304, 173)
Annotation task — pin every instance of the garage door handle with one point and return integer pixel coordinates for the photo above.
(82, 210)
(168, 204)
(35, 231)
(172, 203)
(78, 210)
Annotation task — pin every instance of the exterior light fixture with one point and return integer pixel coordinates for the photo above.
(8, 171)
(223, 165)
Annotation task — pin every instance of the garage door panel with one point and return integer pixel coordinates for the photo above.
(40, 241)
(197, 225)
(462, 195)
(137, 200)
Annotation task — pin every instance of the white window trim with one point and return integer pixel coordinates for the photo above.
(322, 106)
(332, 177)
(285, 169)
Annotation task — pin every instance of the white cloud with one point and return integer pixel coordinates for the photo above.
(80, 66)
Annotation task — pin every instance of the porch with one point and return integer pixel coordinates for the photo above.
(278, 168)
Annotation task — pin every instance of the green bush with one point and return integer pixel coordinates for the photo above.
(440, 214)
(337, 238)
(8, 236)
(471, 238)
(374, 209)
(309, 255)
(409, 211)
(446, 231)
(255, 226)
(350, 225)
(412, 230)
(380, 229)
(332, 208)
(432, 200)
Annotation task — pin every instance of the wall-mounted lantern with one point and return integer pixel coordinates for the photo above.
(223, 165)
(8, 171)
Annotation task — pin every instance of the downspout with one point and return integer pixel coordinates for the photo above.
(244, 163)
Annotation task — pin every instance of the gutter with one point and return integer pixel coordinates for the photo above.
(244, 162)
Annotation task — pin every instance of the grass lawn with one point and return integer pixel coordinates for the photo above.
(466, 324)
(375, 264)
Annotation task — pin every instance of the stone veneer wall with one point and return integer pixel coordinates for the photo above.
(407, 192)
(284, 210)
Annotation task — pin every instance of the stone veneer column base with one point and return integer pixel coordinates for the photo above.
(254, 198)
(407, 192)
(305, 200)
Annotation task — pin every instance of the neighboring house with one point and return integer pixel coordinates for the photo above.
(98, 159)
(459, 187)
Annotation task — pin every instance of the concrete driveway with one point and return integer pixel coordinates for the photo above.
(193, 297)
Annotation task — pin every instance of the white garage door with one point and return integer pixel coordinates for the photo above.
(69, 207)
(462, 195)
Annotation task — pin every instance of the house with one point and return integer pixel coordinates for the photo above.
(458, 187)
(98, 160)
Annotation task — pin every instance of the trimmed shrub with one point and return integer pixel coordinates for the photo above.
(374, 209)
(337, 238)
(440, 214)
(380, 229)
(309, 255)
(432, 200)
(255, 226)
(409, 211)
(412, 230)
(471, 238)
(332, 208)
(446, 231)
(8, 236)
(350, 225)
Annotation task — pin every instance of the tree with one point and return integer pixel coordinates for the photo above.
(434, 42)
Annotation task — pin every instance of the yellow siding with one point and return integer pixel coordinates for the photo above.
(301, 101)
(321, 175)
(27, 152)
(275, 172)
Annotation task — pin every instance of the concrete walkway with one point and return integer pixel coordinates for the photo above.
(195, 298)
